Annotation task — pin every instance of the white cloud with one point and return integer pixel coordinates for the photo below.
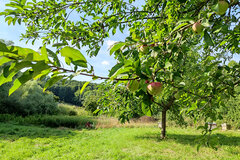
(105, 63)
(110, 42)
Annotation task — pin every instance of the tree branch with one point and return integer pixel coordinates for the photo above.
(93, 75)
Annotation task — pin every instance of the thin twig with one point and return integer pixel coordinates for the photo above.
(93, 75)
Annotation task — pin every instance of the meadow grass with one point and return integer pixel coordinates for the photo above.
(76, 122)
(68, 109)
(35, 142)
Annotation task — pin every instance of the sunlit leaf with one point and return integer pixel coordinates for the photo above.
(52, 81)
(84, 86)
(26, 76)
(74, 55)
(116, 47)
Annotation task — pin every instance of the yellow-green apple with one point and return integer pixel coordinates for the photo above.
(222, 7)
(133, 85)
(197, 27)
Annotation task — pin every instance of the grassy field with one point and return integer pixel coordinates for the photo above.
(36, 142)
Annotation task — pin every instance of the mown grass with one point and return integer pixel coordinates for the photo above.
(32, 142)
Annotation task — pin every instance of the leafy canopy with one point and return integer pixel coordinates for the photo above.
(161, 46)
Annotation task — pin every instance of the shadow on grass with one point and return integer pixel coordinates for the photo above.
(191, 139)
(13, 132)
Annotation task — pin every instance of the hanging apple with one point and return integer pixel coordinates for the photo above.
(197, 27)
(133, 85)
(221, 7)
(154, 88)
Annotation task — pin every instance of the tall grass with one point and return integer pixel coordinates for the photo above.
(111, 122)
(77, 122)
(71, 110)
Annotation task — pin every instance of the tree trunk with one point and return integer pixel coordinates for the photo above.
(163, 133)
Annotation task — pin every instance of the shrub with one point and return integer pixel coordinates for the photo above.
(6, 117)
(27, 100)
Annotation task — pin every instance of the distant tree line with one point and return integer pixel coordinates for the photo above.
(69, 92)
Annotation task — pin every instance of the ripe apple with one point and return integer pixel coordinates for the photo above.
(222, 7)
(144, 48)
(133, 85)
(197, 27)
(154, 88)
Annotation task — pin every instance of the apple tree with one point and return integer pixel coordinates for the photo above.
(175, 52)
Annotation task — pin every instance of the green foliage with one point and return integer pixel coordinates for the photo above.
(90, 100)
(231, 111)
(70, 91)
(119, 102)
(28, 100)
(73, 56)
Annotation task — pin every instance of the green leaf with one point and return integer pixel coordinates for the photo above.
(29, 54)
(21, 65)
(96, 111)
(116, 47)
(74, 55)
(208, 39)
(27, 75)
(121, 70)
(198, 146)
(191, 20)
(11, 71)
(19, 21)
(84, 86)
(115, 68)
(168, 65)
(44, 52)
(146, 109)
(3, 47)
(39, 67)
(59, 44)
(96, 17)
(206, 23)
(4, 60)
(180, 26)
(52, 81)
(9, 78)
(54, 56)
(42, 74)
(193, 107)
